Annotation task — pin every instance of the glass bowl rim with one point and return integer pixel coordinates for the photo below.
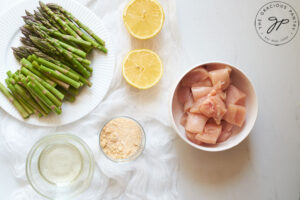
(44, 139)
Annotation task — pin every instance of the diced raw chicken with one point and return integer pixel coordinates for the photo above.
(188, 104)
(196, 75)
(226, 131)
(235, 115)
(216, 67)
(211, 133)
(191, 137)
(183, 119)
(196, 105)
(217, 90)
(220, 75)
(214, 107)
(205, 83)
(183, 94)
(199, 92)
(235, 96)
(195, 123)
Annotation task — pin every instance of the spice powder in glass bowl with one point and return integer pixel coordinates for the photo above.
(121, 138)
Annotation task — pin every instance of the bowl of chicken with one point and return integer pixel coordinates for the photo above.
(213, 106)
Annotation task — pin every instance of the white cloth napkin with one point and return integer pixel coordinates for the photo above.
(154, 174)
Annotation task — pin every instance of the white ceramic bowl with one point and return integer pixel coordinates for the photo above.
(240, 80)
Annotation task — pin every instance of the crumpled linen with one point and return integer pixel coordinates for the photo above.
(154, 174)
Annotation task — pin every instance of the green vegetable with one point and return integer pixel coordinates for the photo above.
(17, 105)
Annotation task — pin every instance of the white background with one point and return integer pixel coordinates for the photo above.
(267, 164)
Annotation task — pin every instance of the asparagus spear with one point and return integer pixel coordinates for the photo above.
(32, 50)
(43, 45)
(26, 63)
(73, 91)
(20, 53)
(82, 34)
(26, 31)
(52, 21)
(28, 13)
(43, 97)
(52, 89)
(72, 49)
(85, 62)
(26, 107)
(78, 66)
(17, 105)
(68, 97)
(53, 66)
(45, 91)
(66, 37)
(28, 98)
(59, 76)
(38, 16)
(44, 56)
(55, 25)
(35, 64)
(59, 82)
(46, 76)
(80, 24)
(26, 41)
(41, 54)
(10, 83)
(42, 105)
(50, 46)
(65, 27)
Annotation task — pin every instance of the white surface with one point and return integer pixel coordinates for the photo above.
(266, 165)
(103, 65)
(239, 79)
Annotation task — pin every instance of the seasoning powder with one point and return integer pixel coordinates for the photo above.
(121, 138)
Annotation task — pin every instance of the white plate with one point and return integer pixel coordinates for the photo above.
(102, 64)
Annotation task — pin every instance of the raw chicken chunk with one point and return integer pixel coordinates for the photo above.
(226, 131)
(217, 90)
(211, 133)
(188, 104)
(183, 119)
(197, 75)
(191, 137)
(195, 123)
(205, 83)
(183, 94)
(199, 92)
(235, 115)
(220, 75)
(196, 105)
(214, 107)
(235, 96)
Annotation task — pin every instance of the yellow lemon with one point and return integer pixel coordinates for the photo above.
(142, 68)
(143, 18)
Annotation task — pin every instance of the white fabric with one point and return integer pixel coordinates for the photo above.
(154, 174)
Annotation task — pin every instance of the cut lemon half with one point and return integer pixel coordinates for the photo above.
(143, 18)
(142, 68)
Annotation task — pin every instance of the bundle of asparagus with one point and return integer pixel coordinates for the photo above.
(53, 61)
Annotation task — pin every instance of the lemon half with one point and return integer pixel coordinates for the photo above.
(142, 68)
(143, 18)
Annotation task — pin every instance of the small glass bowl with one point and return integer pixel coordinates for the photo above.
(140, 150)
(49, 189)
